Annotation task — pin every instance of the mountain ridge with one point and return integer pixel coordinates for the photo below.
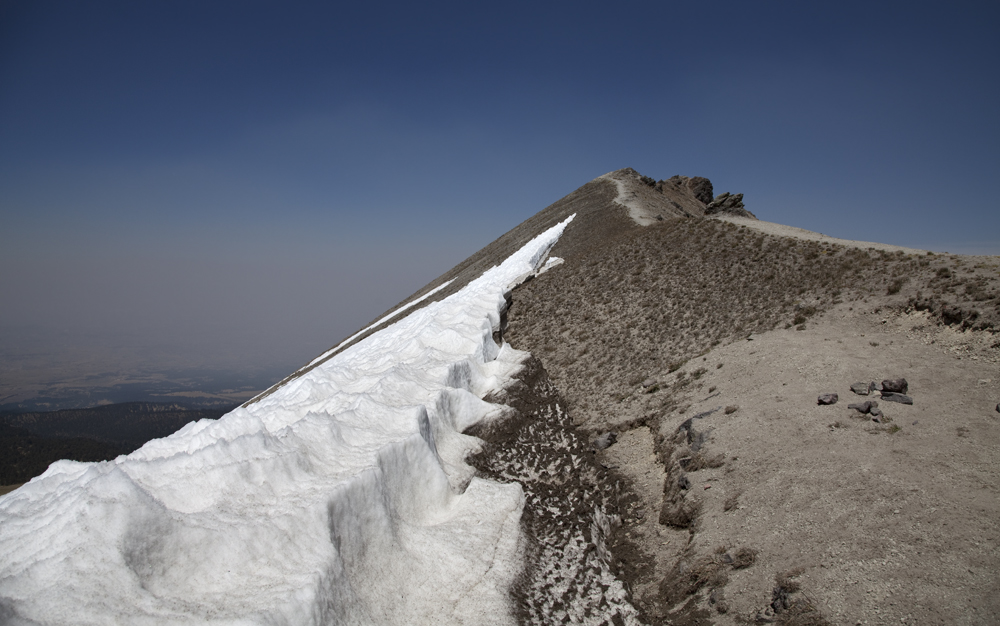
(654, 283)
(663, 426)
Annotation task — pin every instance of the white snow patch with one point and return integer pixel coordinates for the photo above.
(341, 498)
(552, 262)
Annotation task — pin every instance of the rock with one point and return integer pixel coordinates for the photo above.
(872, 386)
(896, 397)
(876, 413)
(728, 204)
(827, 398)
(998, 408)
(864, 407)
(951, 314)
(896, 385)
(861, 389)
(605, 441)
(701, 188)
(683, 482)
(649, 382)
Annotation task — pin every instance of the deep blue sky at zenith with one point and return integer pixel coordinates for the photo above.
(244, 182)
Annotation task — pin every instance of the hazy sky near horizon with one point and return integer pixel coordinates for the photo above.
(241, 182)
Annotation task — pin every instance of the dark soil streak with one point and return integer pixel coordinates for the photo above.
(580, 562)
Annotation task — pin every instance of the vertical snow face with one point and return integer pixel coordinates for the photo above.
(342, 498)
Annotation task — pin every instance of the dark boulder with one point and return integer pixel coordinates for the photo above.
(701, 188)
(827, 398)
(896, 385)
(952, 314)
(896, 397)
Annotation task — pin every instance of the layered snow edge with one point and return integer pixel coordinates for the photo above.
(341, 498)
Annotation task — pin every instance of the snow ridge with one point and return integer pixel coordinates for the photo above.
(341, 498)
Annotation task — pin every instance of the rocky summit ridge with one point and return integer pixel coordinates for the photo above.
(678, 196)
(676, 464)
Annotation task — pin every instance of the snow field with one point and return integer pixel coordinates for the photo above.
(341, 498)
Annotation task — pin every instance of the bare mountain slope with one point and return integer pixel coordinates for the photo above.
(649, 328)
(598, 207)
(700, 339)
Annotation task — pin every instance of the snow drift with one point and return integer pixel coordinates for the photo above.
(342, 498)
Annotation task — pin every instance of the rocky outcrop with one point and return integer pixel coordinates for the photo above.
(728, 204)
(701, 188)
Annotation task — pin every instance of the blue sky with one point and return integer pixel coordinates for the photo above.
(256, 180)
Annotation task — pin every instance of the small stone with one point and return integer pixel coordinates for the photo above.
(864, 407)
(998, 408)
(861, 389)
(896, 397)
(896, 385)
(827, 398)
(875, 413)
(605, 441)
(872, 386)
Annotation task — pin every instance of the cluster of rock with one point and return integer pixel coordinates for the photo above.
(890, 390)
(728, 204)
(685, 196)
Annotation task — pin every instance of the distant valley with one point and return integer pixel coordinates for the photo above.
(78, 387)
(31, 441)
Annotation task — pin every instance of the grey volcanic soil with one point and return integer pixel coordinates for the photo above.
(730, 497)
(643, 328)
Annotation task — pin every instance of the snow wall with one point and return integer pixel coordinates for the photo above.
(341, 498)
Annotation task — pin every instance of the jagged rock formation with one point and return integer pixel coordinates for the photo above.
(650, 200)
(729, 205)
